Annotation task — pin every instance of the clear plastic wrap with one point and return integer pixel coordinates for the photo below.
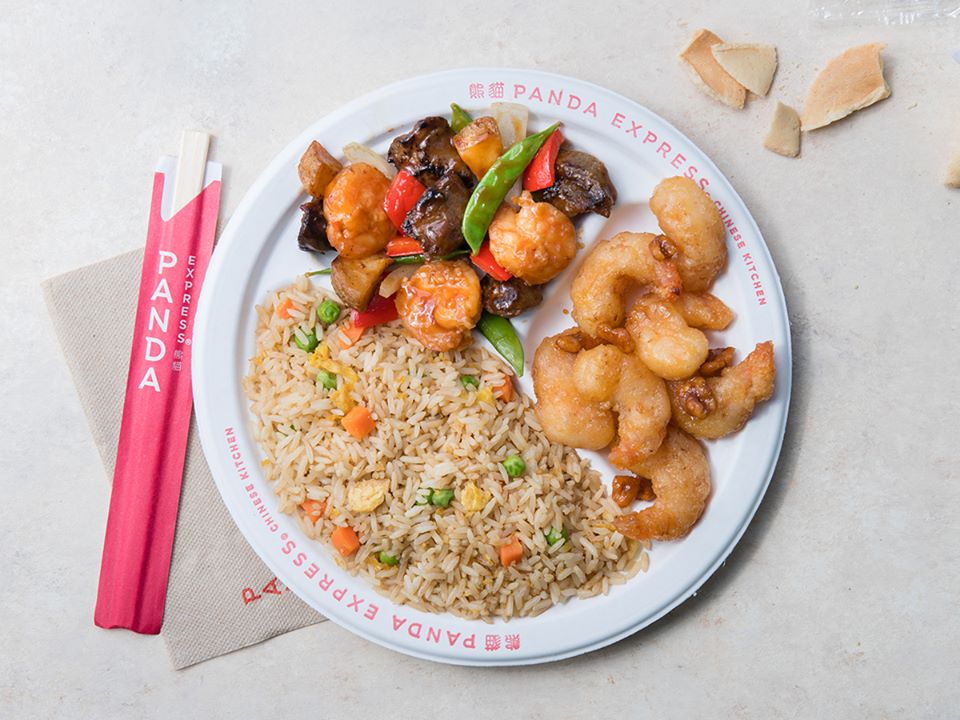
(886, 12)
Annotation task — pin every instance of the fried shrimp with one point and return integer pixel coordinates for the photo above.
(357, 224)
(691, 221)
(680, 476)
(613, 267)
(596, 372)
(711, 407)
(440, 303)
(664, 341)
(567, 415)
(534, 244)
(637, 397)
(704, 311)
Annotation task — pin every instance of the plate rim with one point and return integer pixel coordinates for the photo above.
(207, 435)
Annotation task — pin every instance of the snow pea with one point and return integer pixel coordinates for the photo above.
(496, 183)
(459, 118)
(419, 259)
(499, 331)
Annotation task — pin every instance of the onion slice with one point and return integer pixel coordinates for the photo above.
(512, 120)
(391, 283)
(357, 153)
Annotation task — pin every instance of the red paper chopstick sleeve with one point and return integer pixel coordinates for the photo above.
(156, 411)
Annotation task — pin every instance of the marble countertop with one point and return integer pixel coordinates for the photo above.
(841, 599)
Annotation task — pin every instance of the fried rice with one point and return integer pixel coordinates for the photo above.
(432, 432)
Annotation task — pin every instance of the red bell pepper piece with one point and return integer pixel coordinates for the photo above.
(380, 310)
(485, 260)
(540, 172)
(403, 245)
(401, 196)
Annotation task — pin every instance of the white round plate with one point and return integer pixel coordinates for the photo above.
(258, 253)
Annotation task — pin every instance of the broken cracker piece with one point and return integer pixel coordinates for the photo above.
(707, 73)
(749, 64)
(783, 137)
(952, 178)
(849, 82)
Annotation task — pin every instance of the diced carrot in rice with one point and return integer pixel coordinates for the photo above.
(283, 309)
(349, 334)
(345, 540)
(359, 422)
(505, 391)
(314, 509)
(511, 553)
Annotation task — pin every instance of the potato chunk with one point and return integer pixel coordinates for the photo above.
(317, 168)
(354, 280)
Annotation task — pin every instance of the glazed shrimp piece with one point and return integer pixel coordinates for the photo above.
(666, 344)
(711, 407)
(440, 303)
(680, 476)
(611, 268)
(567, 415)
(637, 396)
(534, 244)
(704, 311)
(357, 224)
(692, 222)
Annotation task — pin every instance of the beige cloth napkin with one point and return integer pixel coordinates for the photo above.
(220, 595)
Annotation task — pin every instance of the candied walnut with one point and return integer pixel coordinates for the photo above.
(618, 337)
(717, 360)
(569, 341)
(662, 248)
(627, 488)
(646, 492)
(573, 340)
(695, 397)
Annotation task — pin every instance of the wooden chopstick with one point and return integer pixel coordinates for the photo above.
(191, 168)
